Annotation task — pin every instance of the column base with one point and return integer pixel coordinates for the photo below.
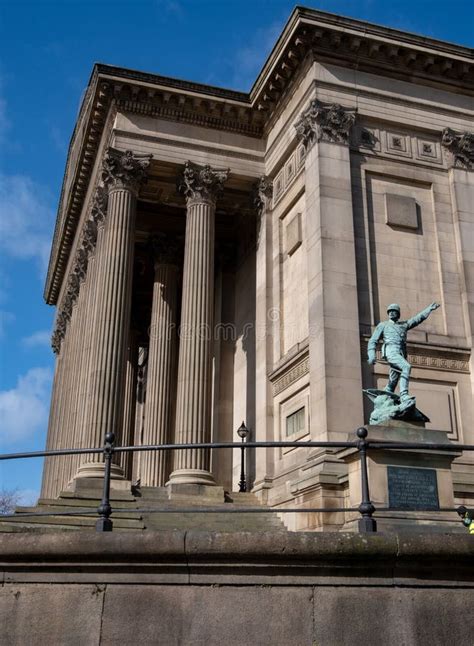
(191, 476)
(96, 470)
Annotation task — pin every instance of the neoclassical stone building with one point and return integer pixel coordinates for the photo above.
(221, 256)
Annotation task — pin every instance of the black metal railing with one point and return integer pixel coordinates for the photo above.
(366, 508)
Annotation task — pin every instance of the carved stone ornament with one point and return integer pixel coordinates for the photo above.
(99, 205)
(124, 169)
(461, 146)
(199, 183)
(262, 193)
(79, 268)
(325, 123)
(166, 249)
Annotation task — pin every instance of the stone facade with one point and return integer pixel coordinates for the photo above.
(343, 182)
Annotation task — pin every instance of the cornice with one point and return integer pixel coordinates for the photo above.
(362, 46)
(80, 161)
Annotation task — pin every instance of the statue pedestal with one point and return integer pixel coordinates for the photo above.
(404, 478)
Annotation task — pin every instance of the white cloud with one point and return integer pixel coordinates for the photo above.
(24, 409)
(26, 219)
(40, 338)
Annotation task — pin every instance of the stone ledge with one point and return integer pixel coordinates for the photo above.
(276, 558)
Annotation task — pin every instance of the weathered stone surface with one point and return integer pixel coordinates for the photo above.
(362, 615)
(208, 615)
(42, 614)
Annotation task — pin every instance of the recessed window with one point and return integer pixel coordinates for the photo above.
(295, 422)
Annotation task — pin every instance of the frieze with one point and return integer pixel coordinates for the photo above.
(390, 143)
(289, 377)
(461, 147)
(325, 122)
(441, 361)
(288, 173)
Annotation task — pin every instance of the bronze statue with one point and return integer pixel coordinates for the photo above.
(393, 335)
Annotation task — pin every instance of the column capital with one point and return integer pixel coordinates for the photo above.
(330, 122)
(461, 147)
(201, 183)
(166, 249)
(262, 193)
(126, 170)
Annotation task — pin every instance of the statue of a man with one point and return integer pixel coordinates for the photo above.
(393, 334)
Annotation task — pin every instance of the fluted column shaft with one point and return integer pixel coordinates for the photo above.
(112, 318)
(130, 400)
(47, 488)
(193, 408)
(158, 404)
(200, 185)
(122, 174)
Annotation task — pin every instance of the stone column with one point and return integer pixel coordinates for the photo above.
(334, 338)
(263, 334)
(47, 487)
(64, 340)
(97, 224)
(122, 174)
(193, 410)
(130, 400)
(161, 360)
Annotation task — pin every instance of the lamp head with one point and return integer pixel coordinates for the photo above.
(243, 431)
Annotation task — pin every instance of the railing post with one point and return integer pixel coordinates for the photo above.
(104, 524)
(367, 524)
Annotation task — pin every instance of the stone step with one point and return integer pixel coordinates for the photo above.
(78, 521)
(91, 503)
(58, 509)
(95, 494)
(165, 513)
(7, 527)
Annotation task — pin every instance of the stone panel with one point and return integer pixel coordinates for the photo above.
(174, 616)
(401, 211)
(44, 614)
(408, 616)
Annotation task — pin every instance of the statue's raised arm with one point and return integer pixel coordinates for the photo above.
(422, 316)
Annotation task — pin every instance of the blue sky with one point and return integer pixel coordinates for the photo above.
(47, 50)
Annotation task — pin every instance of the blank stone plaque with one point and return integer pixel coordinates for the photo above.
(412, 488)
(293, 234)
(401, 211)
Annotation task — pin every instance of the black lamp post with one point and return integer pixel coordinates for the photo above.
(242, 432)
